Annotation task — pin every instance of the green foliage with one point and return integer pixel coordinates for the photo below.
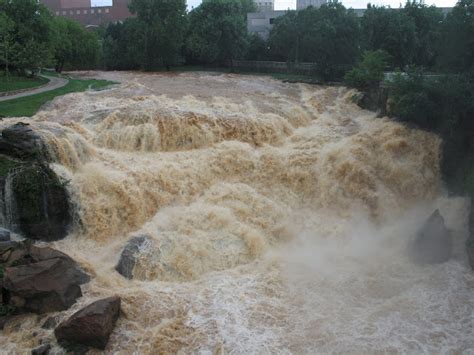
(164, 26)
(123, 46)
(328, 36)
(74, 46)
(12, 83)
(369, 72)
(457, 43)
(218, 31)
(410, 35)
(6, 310)
(30, 36)
(443, 104)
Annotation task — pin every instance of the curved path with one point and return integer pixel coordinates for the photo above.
(54, 83)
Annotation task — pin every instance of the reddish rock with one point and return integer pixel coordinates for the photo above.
(91, 326)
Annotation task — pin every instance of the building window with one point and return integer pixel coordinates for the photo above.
(106, 11)
(78, 12)
(85, 12)
(57, 13)
(71, 12)
(92, 11)
(99, 11)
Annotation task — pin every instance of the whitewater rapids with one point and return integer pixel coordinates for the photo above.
(279, 217)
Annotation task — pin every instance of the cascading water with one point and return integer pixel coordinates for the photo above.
(277, 216)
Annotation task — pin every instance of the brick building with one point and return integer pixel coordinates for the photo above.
(88, 15)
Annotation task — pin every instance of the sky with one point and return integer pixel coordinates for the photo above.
(291, 4)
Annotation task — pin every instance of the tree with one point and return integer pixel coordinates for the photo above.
(165, 26)
(427, 20)
(392, 31)
(74, 46)
(328, 36)
(31, 33)
(6, 41)
(457, 43)
(369, 72)
(218, 31)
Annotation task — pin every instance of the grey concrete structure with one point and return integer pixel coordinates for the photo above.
(303, 4)
(262, 22)
(265, 5)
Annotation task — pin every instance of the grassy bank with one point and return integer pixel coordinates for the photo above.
(14, 83)
(28, 106)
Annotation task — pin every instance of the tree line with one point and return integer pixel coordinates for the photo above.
(31, 38)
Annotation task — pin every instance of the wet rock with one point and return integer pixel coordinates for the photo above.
(11, 252)
(433, 243)
(91, 326)
(3, 321)
(44, 349)
(130, 252)
(21, 142)
(4, 235)
(44, 280)
(39, 203)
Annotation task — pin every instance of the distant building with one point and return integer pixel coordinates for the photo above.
(265, 5)
(261, 23)
(83, 12)
(303, 4)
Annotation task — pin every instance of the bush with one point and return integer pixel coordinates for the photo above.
(369, 72)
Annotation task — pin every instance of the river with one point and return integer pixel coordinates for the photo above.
(278, 215)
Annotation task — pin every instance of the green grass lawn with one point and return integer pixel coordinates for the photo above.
(13, 83)
(28, 106)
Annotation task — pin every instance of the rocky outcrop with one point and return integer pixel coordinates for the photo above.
(91, 326)
(33, 200)
(22, 142)
(433, 243)
(39, 203)
(42, 280)
(130, 253)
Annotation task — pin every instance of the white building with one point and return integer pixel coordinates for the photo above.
(303, 4)
(265, 5)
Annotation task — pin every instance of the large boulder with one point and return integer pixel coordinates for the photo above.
(22, 142)
(130, 254)
(43, 280)
(91, 326)
(33, 200)
(39, 203)
(433, 243)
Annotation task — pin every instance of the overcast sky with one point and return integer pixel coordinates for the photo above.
(285, 4)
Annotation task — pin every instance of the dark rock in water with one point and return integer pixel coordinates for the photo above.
(44, 349)
(433, 243)
(4, 235)
(128, 258)
(91, 326)
(21, 142)
(44, 280)
(470, 239)
(39, 203)
(33, 195)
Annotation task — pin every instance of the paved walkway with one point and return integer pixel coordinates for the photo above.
(54, 83)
